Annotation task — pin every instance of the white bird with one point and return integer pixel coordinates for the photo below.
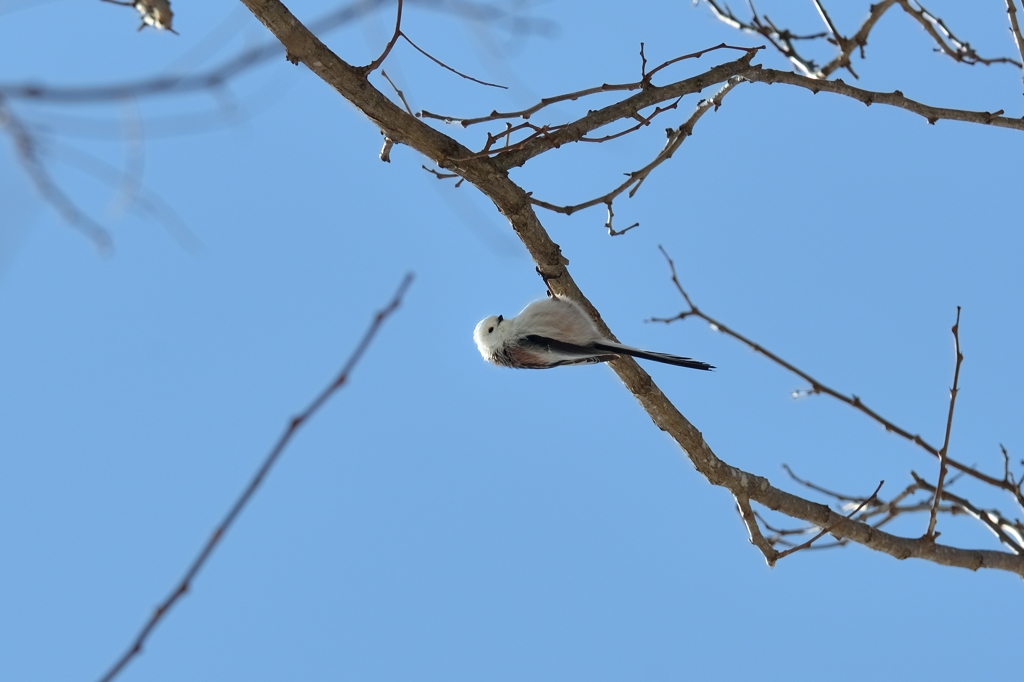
(554, 332)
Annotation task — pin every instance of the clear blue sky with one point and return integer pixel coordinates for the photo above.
(444, 519)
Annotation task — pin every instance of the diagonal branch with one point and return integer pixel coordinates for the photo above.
(818, 387)
(958, 49)
(275, 452)
(28, 154)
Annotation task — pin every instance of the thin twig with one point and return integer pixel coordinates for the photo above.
(828, 528)
(813, 486)
(780, 40)
(961, 51)
(252, 57)
(575, 95)
(697, 55)
(282, 442)
(442, 64)
(943, 456)
(635, 179)
(400, 94)
(1009, 533)
(612, 232)
(829, 25)
(372, 66)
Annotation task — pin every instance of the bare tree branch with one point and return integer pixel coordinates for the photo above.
(275, 452)
(1018, 39)
(636, 178)
(895, 99)
(943, 456)
(372, 66)
(1010, 533)
(818, 387)
(828, 529)
(958, 49)
(771, 555)
(644, 82)
(218, 76)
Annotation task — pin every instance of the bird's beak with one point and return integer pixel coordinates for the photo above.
(500, 318)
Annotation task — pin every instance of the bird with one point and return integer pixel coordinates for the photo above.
(553, 332)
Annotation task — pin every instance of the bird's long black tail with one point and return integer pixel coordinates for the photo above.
(656, 357)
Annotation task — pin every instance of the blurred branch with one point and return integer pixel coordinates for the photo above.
(217, 76)
(28, 155)
(293, 426)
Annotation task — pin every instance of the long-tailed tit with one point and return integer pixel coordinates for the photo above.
(554, 332)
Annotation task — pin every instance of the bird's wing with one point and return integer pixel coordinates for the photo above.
(563, 352)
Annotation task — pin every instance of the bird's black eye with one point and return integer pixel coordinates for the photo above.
(490, 329)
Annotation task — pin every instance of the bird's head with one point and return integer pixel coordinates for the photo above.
(490, 334)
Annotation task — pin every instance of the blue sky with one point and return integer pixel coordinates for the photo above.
(442, 518)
